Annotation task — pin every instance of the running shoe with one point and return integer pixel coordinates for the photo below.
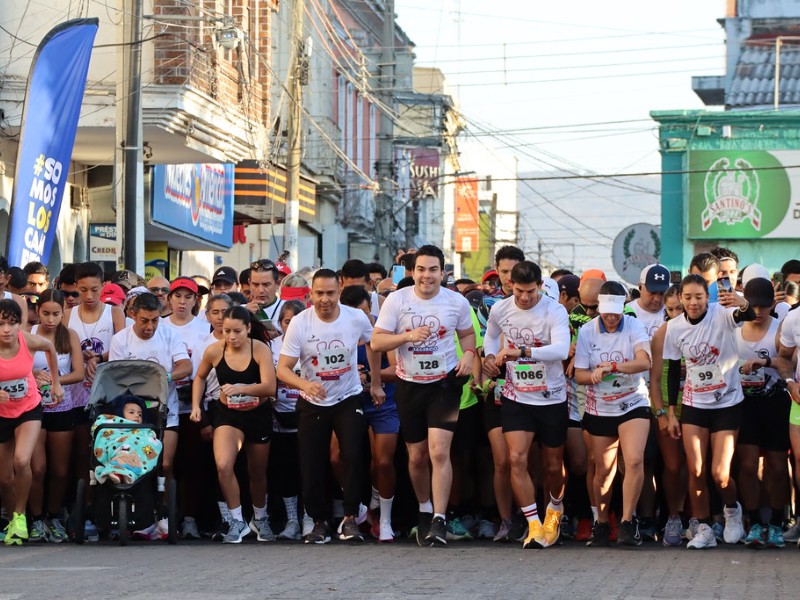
(90, 533)
(612, 521)
(456, 531)
(691, 530)
(719, 531)
(220, 532)
(672, 532)
(552, 526)
(291, 531)
(148, 533)
(629, 534)
(601, 532)
(437, 534)
(647, 529)
(237, 531)
(385, 532)
(308, 525)
(470, 523)
(703, 538)
(422, 528)
(792, 533)
(733, 524)
(17, 530)
(756, 536)
(56, 533)
(37, 531)
(775, 537)
(262, 530)
(320, 534)
(584, 530)
(486, 530)
(567, 528)
(348, 531)
(189, 529)
(3, 527)
(503, 532)
(162, 529)
(535, 538)
(363, 514)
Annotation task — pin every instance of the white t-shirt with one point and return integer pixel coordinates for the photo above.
(212, 384)
(193, 334)
(328, 352)
(782, 309)
(651, 321)
(544, 328)
(445, 313)
(790, 334)
(762, 379)
(618, 393)
(712, 357)
(164, 348)
(95, 337)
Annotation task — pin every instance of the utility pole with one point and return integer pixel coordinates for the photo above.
(298, 74)
(384, 210)
(132, 210)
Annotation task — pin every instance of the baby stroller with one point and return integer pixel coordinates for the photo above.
(126, 506)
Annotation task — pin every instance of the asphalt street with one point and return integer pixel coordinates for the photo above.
(463, 570)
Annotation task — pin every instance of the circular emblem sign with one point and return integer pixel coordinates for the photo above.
(634, 248)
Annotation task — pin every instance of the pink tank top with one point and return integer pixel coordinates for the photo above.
(16, 378)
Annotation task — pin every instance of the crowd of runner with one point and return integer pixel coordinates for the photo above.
(521, 408)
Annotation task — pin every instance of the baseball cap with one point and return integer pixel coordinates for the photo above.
(488, 275)
(283, 268)
(610, 303)
(184, 282)
(593, 274)
(759, 292)
(752, 272)
(655, 278)
(126, 279)
(226, 274)
(112, 294)
(570, 285)
(550, 288)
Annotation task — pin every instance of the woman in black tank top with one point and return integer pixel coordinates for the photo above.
(242, 418)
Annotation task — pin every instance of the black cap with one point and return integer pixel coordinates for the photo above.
(226, 274)
(127, 280)
(759, 292)
(570, 285)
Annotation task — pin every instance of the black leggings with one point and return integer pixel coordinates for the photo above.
(314, 429)
(284, 465)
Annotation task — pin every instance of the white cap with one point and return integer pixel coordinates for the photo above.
(609, 303)
(550, 288)
(753, 271)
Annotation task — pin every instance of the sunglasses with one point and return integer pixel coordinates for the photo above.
(70, 294)
(263, 264)
(156, 290)
(591, 306)
(31, 298)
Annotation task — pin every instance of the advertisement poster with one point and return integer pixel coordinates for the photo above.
(467, 222)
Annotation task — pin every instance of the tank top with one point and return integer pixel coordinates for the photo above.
(251, 374)
(95, 337)
(761, 380)
(16, 378)
(64, 368)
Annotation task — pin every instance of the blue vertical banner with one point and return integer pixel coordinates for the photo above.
(49, 123)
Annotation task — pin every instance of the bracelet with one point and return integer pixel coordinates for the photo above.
(522, 350)
(614, 368)
(470, 350)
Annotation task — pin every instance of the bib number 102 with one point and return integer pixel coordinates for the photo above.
(334, 359)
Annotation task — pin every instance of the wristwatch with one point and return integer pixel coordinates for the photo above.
(660, 412)
(522, 350)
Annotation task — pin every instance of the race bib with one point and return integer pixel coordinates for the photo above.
(47, 397)
(705, 378)
(16, 388)
(615, 386)
(756, 379)
(428, 367)
(333, 363)
(529, 377)
(241, 401)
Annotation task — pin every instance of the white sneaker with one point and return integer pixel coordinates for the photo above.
(308, 525)
(363, 513)
(691, 531)
(291, 531)
(386, 532)
(703, 538)
(189, 529)
(733, 524)
(162, 529)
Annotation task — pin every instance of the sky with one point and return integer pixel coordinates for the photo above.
(568, 87)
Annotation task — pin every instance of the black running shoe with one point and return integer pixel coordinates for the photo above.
(628, 534)
(600, 534)
(321, 534)
(423, 527)
(437, 533)
(349, 531)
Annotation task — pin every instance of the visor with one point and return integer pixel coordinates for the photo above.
(608, 303)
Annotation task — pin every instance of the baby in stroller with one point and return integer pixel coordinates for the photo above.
(125, 454)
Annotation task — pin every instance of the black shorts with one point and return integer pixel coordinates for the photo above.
(714, 419)
(492, 414)
(9, 426)
(58, 421)
(80, 416)
(609, 426)
(256, 424)
(547, 423)
(468, 430)
(423, 406)
(765, 419)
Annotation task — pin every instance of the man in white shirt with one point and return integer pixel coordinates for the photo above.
(325, 339)
(420, 322)
(649, 307)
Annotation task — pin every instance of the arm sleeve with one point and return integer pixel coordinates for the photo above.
(673, 381)
(558, 348)
(291, 339)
